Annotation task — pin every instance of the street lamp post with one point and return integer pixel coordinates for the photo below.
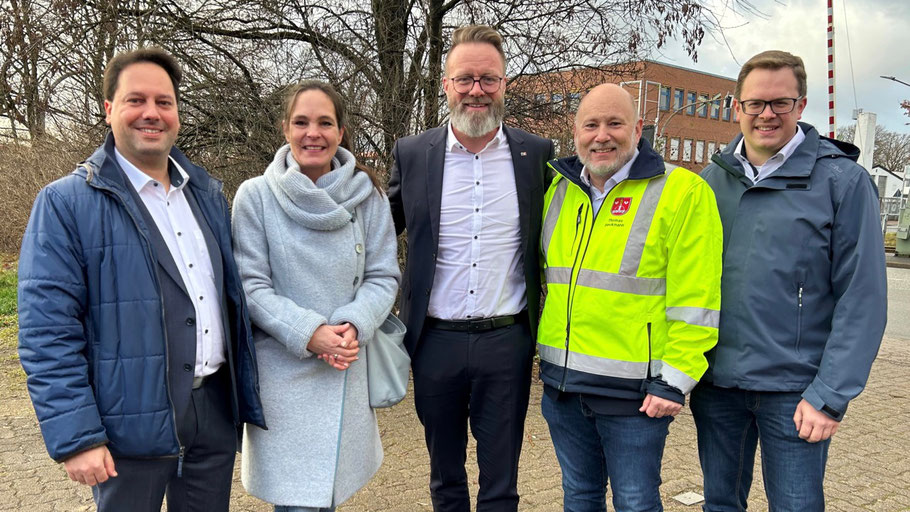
(894, 80)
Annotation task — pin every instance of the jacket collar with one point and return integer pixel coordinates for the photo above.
(648, 165)
(801, 162)
(103, 164)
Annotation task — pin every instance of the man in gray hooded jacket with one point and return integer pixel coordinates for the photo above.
(803, 295)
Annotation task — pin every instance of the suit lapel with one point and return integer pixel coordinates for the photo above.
(436, 157)
(523, 177)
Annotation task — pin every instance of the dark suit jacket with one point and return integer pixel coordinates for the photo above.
(179, 311)
(415, 194)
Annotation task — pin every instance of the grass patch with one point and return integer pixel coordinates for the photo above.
(8, 315)
(7, 290)
(13, 376)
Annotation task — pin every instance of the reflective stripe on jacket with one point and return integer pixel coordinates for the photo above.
(633, 293)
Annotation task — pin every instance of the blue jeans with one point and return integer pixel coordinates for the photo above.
(730, 423)
(594, 448)
(286, 508)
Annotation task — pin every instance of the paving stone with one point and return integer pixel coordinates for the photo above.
(868, 468)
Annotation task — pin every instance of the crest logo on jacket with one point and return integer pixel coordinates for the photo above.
(621, 205)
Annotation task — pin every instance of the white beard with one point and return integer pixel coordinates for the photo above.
(477, 124)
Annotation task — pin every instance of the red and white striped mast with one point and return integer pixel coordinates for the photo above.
(832, 125)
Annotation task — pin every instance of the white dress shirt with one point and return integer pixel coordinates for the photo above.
(185, 242)
(772, 164)
(597, 197)
(479, 268)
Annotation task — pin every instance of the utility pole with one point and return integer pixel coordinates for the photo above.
(832, 124)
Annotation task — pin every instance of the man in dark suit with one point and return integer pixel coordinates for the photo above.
(132, 322)
(470, 195)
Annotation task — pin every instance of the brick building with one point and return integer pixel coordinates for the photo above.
(684, 111)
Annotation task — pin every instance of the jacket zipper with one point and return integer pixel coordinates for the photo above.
(572, 287)
(167, 360)
(232, 368)
(799, 316)
(649, 353)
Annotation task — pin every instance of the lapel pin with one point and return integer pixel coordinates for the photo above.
(524, 153)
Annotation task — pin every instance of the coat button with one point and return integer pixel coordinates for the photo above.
(191, 321)
(428, 291)
(358, 248)
(356, 280)
(187, 367)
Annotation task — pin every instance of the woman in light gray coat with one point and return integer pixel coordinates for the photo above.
(315, 246)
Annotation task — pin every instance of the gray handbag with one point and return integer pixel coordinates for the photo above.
(388, 364)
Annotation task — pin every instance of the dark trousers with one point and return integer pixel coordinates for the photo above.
(483, 378)
(595, 450)
(209, 438)
(730, 423)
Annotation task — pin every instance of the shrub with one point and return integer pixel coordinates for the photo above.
(24, 170)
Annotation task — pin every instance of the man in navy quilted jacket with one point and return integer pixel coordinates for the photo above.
(133, 329)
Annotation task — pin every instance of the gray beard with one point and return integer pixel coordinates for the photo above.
(477, 125)
(607, 170)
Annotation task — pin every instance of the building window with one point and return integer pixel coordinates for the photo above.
(702, 105)
(540, 101)
(722, 146)
(574, 101)
(690, 101)
(726, 116)
(715, 109)
(664, 98)
(687, 150)
(661, 145)
(674, 149)
(678, 98)
(712, 148)
(699, 151)
(557, 103)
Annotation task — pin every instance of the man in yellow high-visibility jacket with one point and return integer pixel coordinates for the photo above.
(632, 261)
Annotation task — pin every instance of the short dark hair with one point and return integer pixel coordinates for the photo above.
(154, 55)
(773, 60)
(477, 34)
(290, 97)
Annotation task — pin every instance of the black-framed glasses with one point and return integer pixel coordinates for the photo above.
(778, 106)
(488, 83)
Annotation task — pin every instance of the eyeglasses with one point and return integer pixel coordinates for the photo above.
(778, 106)
(488, 83)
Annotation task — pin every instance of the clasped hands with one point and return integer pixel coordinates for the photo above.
(337, 345)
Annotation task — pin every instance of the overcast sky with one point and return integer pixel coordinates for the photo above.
(879, 40)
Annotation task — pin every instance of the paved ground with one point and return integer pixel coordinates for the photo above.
(868, 467)
(898, 303)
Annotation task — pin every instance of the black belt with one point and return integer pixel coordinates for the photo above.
(475, 325)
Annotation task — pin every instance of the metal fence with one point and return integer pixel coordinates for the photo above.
(890, 210)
